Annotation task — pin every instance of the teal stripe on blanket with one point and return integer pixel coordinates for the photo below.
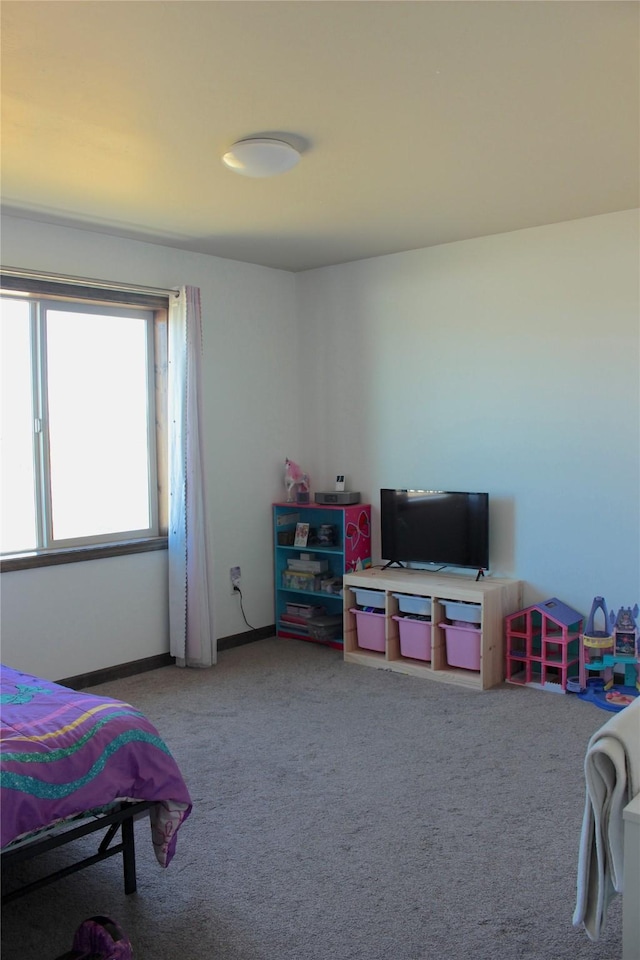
(48, 756)
(52, 791)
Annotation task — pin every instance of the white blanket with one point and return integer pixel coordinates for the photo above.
(612, 775)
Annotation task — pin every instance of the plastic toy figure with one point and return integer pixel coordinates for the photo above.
(626, 638)
(295, 478)
(602, 651)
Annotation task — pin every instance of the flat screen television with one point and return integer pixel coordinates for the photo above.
(435, 527)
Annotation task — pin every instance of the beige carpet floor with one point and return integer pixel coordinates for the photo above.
(349, 813)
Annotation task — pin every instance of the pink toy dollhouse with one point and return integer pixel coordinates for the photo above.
(543, 645)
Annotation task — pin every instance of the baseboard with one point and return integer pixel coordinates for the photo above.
(249, 636)
(106, 675)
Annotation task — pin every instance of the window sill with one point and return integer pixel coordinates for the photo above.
(27, 561)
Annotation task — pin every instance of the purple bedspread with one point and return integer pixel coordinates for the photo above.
(64, 752)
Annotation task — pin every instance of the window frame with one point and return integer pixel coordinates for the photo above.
(48, 294)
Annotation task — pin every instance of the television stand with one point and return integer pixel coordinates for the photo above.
(393, 563)
(495, 598)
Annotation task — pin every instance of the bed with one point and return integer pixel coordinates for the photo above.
(72, 764)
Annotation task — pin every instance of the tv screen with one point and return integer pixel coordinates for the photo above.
(435, 526)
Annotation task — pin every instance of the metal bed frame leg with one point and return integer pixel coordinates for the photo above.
(128, 849)
(129, 856)
(122, 819)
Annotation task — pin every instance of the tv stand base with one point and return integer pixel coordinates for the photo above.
(496, 598)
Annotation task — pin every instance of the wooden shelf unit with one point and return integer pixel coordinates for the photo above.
(496, 597)
(351, 549)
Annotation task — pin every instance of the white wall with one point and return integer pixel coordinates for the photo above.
(64, 620)
(113, 611)
(508, 364)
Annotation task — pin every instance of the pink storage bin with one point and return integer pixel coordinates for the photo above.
(463, 646)
(370, 629)
(415, 638)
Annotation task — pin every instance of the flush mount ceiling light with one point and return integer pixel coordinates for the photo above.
(261, 157)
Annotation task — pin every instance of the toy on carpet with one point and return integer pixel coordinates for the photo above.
(543, 646)
(296, 478)
(617, 644)
(99, 938)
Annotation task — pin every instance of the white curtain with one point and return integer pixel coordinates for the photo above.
(190, 625)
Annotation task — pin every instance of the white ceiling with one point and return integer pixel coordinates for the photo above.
(423, 121)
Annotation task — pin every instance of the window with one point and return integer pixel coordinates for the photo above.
(82, 423)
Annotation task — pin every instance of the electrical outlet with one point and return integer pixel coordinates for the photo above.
(234, 575)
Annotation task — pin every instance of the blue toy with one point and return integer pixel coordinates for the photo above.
(601, 650)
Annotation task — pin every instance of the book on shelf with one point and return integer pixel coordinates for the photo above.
(301, 580)
(300, 628)
(305, 610)
(286, 519)
(302, 535)
(292, 618)
(308, 566)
